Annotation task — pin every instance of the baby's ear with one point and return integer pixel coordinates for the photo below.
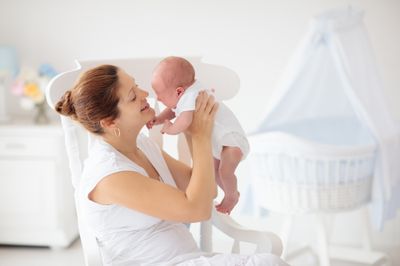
(180, 91)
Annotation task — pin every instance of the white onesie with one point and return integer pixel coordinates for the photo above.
(227, 129)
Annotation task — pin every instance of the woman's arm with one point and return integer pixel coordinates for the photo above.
(202, 186)
(149, 196)
(179, 170)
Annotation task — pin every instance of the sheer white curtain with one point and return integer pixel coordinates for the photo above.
(333, 74)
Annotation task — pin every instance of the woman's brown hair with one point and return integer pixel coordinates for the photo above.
(93, 98)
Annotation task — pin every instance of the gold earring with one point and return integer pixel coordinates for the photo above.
(117, 132)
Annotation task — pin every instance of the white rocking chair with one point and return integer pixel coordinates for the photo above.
(77, 140)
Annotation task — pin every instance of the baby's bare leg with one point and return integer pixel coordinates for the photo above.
(216, 170)
(230, 158)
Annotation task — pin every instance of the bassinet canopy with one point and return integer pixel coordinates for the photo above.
(331, 94)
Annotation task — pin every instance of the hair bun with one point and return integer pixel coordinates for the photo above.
(66, 105)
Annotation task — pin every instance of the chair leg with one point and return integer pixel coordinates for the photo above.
(322, 240)
(365, 230)
(206, 236)
(285, 234)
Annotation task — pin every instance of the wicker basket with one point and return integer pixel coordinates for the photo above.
(292, 174)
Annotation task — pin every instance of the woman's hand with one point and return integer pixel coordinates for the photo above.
(203, 116)
(202, 187)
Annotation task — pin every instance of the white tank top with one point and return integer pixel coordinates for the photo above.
(126, 236)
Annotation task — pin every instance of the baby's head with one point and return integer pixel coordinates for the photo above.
(172, 76)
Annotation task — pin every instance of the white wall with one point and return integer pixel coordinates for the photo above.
(253, 37)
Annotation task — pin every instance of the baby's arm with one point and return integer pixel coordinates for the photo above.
(182, 122)
(166, 114)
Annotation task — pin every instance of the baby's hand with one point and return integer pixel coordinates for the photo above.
(166, 126)
(151, 123)
(154, 122)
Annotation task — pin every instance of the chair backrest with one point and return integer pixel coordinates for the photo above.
(224, 81)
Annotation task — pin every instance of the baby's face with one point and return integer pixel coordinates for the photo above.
(167, 95)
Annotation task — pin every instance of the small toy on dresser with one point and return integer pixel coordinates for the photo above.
(29, 86)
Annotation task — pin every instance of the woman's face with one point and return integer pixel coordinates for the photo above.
(135, 112)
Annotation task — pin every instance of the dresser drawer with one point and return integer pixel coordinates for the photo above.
(28, 146)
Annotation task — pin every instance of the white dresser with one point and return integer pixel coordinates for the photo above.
(36, 194)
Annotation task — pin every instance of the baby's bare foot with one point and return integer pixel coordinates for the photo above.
(230, 200)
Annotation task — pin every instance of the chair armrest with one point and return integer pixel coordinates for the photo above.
(265, 241)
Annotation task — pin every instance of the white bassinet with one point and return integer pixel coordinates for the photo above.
(313, 165)
(328, 142)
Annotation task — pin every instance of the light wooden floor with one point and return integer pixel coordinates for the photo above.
(72, 256)
(28, 256)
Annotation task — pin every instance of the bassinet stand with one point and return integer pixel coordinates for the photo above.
(324, 224)
(294, 176)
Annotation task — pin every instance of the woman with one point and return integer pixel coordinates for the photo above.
(135, 196)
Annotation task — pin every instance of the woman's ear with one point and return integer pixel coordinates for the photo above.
(107, 122)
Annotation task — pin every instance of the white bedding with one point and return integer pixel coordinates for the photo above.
(332, 150)
(342, 131)
(313, 164)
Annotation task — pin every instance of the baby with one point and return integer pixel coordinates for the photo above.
(176, 87)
